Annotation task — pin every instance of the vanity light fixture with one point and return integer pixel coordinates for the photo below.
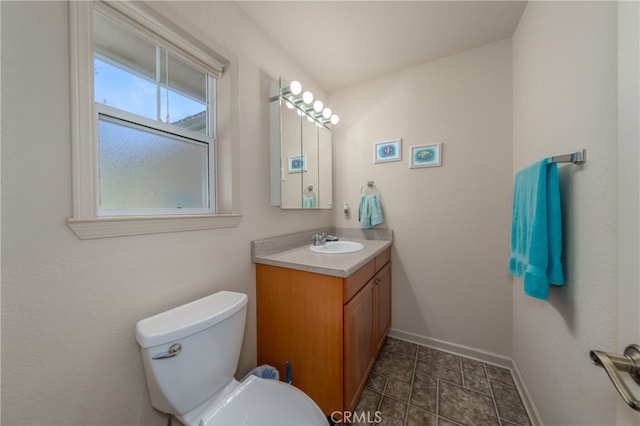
(315, 111)
(307, 97)
(295, 88)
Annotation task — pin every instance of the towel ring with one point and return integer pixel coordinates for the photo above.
(308, 191)
(368, 188)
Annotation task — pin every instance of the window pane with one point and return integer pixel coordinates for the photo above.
(183, 112)
(142, 169)
(120, 89)
(133, 74)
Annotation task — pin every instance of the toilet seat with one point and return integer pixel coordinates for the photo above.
(264, 402)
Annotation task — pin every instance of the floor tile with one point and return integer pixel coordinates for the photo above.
(418, 417)
(395, 365)
(439, 372)
(392, 412)
(369, 400)
(477, 383)
(398, 390)
(424, 393)
(446, 422)
(465, 406)
(502, 375)
(436, 356)
(509, 404)
(400, 346)
(376, 382)
(473, 366)
(414, 385)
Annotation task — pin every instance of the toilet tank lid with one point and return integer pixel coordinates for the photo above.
(188, 319)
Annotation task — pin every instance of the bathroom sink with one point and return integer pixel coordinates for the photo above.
(338, 247)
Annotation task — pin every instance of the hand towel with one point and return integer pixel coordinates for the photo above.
(369, 211)
(308, 202)
(536, 229)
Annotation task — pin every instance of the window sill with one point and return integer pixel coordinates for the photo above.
(106, 227)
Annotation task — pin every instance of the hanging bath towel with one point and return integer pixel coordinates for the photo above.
(369, 211)
(536, 229)
(308, 202)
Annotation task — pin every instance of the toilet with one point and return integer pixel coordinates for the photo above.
(190, 354)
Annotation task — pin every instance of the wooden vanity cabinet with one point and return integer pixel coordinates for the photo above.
(329, 328)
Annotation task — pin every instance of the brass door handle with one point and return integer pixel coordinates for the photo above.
(629, 362)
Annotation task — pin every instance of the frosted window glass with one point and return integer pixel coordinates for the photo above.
(141, 168)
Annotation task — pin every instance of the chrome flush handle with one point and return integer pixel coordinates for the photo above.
(174, 350)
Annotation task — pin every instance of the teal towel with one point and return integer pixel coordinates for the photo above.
(536, 229)
(369, 212)
(308, 202)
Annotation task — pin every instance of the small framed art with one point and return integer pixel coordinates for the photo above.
(298, 163)
(426, 155)
(387, 151)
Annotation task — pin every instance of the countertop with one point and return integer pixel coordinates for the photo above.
(338, 265)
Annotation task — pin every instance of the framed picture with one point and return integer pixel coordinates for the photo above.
(426, 155)
(298, 163)
(387, 151)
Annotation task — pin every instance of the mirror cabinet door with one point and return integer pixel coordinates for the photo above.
(291, 148)
(300, 156)
(325, 169)
(308, 195)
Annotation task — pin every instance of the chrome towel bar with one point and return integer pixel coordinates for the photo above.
(578, 157)
(629, 362)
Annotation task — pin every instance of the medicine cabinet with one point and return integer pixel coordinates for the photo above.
(300, 154)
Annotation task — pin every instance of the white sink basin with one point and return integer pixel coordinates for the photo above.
(338, 247)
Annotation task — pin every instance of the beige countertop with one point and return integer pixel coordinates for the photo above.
(339, 265)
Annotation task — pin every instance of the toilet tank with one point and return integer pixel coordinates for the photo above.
(210, 332)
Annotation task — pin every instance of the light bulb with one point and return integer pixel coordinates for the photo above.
(335, 119)
(288, 103)
(295, 87)
(318, 105)
(310, 119)
(307, 97)
(326, 113)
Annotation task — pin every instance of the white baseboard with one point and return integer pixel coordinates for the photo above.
(480, 355)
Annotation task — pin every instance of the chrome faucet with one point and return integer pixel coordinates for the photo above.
(319, 239)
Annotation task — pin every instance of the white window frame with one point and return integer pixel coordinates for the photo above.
(86, 222)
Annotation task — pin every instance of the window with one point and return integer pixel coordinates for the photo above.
(144, 132)
(156, 126)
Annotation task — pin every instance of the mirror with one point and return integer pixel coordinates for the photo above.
(301, 156)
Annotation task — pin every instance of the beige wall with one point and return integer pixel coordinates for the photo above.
(565, 100)
(450, 223)
(69, 307)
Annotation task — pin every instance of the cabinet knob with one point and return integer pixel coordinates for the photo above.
(377, 280)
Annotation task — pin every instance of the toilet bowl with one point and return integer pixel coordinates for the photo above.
(190, 354)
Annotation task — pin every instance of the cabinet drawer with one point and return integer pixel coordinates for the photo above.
(354, 282)
(383, 258)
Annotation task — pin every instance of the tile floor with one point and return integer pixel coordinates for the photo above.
(417, 385)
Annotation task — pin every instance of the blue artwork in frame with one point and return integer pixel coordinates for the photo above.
(387, 151)
(426, 156)
(298, 163)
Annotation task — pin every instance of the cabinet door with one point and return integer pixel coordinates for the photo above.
(358, 343)
(382, 303)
